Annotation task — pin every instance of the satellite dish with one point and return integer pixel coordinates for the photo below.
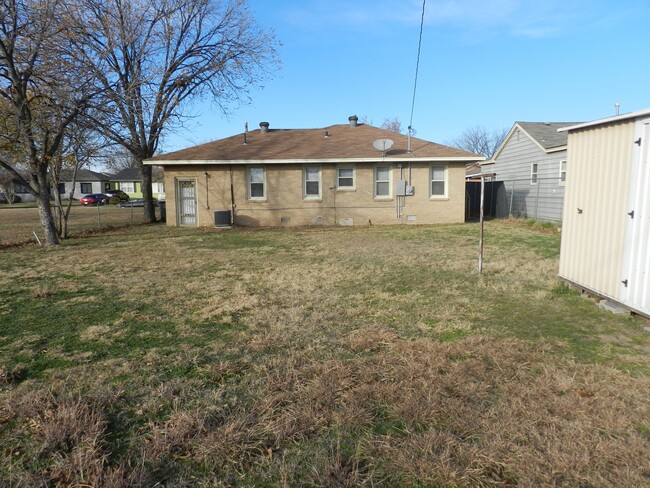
(383, 145)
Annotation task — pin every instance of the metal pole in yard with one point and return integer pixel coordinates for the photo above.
(131, 214)
(480, 241)
(99, 218)
(539, 182)
(512, 195)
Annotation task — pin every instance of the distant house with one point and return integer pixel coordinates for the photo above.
(12, 188)
(473, 171)
(86, 182)
(329, 176)
(129, 180)
(531, 162)
(606, 224)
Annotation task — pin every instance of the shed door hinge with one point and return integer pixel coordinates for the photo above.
(631, 214)
(624, 283)
(638, 142)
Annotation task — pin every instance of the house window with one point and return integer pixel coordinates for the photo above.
(256, 186)
(382, 181)
(345, 178)
(438, 181)
(20, 189)
(311, 186)
(86, 187)
(127, 186)
(60, 188)
(533, 174)
(562, 172)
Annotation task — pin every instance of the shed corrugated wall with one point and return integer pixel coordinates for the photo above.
(636, 262)
(599, 163)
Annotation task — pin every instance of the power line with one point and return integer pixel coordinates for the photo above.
(417, 70)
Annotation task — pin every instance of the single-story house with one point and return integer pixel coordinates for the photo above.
(473, 171)
(531, 162)
(606, 222)
(347, 174)
(129, 180)
(86, 182)
(12, 188)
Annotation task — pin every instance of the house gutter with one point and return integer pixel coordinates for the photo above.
(221, 162)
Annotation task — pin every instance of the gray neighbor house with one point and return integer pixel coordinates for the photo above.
(86, 182)
(530, 163)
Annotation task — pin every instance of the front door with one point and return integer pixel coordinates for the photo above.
(186, 202)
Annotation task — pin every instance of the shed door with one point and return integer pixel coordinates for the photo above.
(186, 202)
(635, 282)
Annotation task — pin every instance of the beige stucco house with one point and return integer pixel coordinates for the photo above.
(338, 175)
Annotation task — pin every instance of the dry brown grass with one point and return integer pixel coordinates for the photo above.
(313, 358)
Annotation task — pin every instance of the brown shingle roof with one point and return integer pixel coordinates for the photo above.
(330, 143)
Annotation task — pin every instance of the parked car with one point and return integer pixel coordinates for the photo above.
(97, 199)
(117, 193)
(134, 202)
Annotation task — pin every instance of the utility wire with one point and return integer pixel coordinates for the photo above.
(417, 69)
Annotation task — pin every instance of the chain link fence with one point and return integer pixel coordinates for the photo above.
(517, 198)
(21, 223)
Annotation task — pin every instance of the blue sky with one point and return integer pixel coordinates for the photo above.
(483, 62)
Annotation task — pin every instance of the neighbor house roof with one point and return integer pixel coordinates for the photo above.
(543, 134)
(546, 134)
(83, 175)
(330, 144)
(127, 174)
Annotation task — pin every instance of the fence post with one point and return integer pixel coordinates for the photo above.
(539, 183)
(512, 196)
(480, 242)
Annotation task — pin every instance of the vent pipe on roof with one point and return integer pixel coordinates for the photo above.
(353, 120)
(264, 127)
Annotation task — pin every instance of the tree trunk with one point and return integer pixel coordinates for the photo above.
(58, 206)
(44, 209)
(147, 194)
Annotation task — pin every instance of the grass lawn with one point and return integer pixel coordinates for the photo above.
(314, 357)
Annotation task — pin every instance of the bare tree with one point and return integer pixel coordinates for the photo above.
(7, 184)
(115, 158)
(42, 92)
(479, 140)
(150, 57)
(81, 145)
(393, 125)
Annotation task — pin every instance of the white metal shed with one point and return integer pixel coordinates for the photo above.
(606, 222)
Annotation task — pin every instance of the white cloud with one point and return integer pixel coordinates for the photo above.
(517, 18)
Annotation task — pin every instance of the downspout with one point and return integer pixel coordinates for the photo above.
(232, 198)
(207, 190)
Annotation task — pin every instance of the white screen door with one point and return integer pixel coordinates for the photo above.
(186, 206)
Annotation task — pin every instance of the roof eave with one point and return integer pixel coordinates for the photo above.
(221, 162)
(608, 120)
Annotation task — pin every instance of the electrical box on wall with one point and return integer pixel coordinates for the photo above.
(410, 191)
(400, 188)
